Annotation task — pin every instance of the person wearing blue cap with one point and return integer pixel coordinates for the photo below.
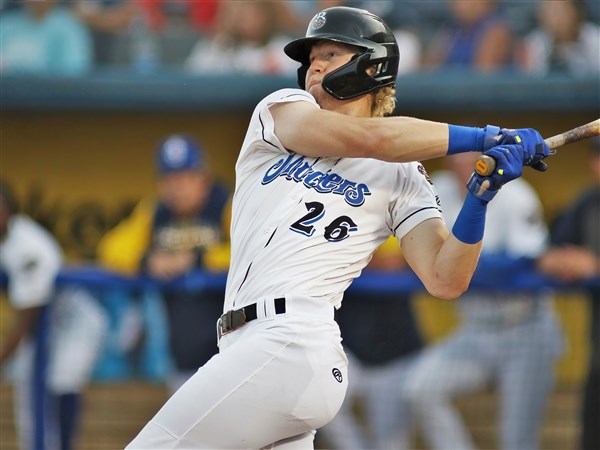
(185, 229)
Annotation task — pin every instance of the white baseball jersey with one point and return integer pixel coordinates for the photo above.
(315, 222)
(31, 259)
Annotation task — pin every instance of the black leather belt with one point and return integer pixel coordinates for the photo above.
(235, 318)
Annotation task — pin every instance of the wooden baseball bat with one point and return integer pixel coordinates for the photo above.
(485, 165)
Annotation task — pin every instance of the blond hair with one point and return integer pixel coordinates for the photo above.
(384, 102)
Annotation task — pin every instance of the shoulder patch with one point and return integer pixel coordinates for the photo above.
(423, 172)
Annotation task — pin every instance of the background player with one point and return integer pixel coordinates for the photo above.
(185, 229)
(314, 199)
(509, 339)
(58, 334)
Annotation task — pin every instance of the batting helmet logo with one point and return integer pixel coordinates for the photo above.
(319, 20)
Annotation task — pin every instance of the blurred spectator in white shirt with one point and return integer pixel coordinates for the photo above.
(565, 41)
(248, 40)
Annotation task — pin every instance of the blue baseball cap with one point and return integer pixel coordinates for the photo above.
(179, 153)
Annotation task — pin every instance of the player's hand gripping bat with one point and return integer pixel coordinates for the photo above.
(485, 165)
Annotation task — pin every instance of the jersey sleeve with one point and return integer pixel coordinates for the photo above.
(261, 136)
(416, 199)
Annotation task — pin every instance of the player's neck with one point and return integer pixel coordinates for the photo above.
(358, 107)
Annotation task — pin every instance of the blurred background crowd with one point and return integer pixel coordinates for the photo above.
(114, 220)
(59, 37)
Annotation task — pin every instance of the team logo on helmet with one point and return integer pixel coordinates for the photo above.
(319, 20)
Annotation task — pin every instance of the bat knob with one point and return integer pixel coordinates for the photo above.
(485, 165)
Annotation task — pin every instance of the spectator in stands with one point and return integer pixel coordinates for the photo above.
(200, 15)
(44, 38)
(55, 337)
(108, 22)
(186, 229)
(410, 50)
(179, 24)
(478, 38)
(166, 29)
(575, 256)
(511, 339)
(563, 42)
(248, 40)
(382, 337)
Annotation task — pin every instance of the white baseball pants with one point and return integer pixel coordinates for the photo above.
(275, 381)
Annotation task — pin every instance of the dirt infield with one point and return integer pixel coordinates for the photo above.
(113, 414)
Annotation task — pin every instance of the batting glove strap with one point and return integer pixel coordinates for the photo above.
(491, 138)
(479, 189)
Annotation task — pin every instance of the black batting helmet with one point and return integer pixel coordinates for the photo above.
(356, 27)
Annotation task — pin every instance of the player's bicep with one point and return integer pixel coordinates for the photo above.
(421, 245)
(309, 131)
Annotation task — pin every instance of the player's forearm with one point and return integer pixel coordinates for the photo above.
(442, 262)
(393, 139)
(405, 139)
(453, 268)
(396, 139)
(457, 259)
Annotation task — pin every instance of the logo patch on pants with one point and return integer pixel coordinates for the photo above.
(337, 375)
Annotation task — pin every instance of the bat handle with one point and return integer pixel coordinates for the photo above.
(486, 165)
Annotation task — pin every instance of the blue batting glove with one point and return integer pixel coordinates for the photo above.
(509, 165)
(534, 147)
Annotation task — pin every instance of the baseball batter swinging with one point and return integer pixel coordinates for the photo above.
(322, 181)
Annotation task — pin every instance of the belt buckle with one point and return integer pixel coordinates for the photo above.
(232, 320)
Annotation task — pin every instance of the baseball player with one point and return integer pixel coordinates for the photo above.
(322, 181)
(56, 336)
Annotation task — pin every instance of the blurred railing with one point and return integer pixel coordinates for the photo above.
(175, 90)
(136, 311)
(519, 275)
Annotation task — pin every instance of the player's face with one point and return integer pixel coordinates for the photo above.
(324, 58)
(184, 192)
